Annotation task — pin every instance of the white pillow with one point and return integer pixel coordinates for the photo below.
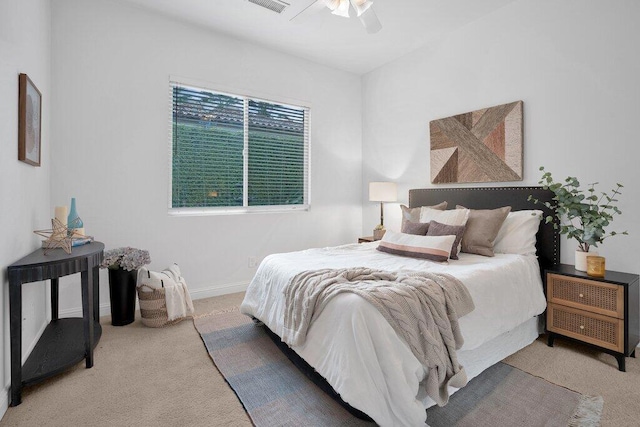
(450, 217)
(518, 233)
(434, 248)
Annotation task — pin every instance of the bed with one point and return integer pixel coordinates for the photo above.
(358, 353)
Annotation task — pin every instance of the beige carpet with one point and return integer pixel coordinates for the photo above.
(164, 377)
(586, 371)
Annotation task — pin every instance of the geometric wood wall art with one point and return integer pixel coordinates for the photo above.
(480, 146)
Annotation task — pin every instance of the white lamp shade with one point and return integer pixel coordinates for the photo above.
(383, 192)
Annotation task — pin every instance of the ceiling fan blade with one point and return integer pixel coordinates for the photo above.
(311, 8)
(361, 6)
(370, 21)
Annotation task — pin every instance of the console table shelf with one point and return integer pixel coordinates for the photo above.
(60, 347)
(64, 342)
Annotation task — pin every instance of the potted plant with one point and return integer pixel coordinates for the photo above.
(582, 215)
(378, 232)
(123, 264)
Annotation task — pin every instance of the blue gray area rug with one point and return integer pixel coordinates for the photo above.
(275, 393)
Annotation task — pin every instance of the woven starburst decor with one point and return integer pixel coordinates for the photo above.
(57, 236)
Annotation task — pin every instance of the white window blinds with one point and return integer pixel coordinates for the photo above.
(232, 152)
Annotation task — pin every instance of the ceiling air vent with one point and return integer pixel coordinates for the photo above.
(274, 5)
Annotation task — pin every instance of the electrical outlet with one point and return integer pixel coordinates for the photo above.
(252, 262)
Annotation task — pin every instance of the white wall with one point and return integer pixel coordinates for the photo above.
(111, 108)
(575, 68)
(575, 64)
(25, 30)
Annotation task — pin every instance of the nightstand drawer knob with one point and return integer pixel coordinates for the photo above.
(581, 326)
(581, 295)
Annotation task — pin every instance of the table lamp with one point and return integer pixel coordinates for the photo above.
(382, 192)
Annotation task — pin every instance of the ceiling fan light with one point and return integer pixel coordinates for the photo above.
(361, 6)
(332, 4)
(342, 9)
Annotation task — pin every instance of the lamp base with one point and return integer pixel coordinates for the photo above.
(378, 233)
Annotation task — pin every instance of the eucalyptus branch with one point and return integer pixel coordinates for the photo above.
(578, 218)
(614, 192)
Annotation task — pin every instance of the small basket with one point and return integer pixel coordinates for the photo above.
(153, 308)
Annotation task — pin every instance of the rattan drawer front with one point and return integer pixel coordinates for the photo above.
(597, 297)
(605, 331)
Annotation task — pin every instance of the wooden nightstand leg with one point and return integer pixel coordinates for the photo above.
(621, 363)
(550, 339)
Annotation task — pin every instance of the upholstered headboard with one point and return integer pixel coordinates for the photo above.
(548, 239)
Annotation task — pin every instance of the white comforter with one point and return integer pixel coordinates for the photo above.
(356, 350)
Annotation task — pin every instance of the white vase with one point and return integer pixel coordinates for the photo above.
(581, 259)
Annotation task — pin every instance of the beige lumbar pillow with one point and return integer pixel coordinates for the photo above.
(434, 248)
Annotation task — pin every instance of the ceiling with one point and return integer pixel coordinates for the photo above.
(321, 37)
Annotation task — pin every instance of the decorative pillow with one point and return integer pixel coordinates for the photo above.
(417, 228)
(450, 217)
(518, 233)
(434, 248)
(439, 229)
(412, 215)
(483, 226)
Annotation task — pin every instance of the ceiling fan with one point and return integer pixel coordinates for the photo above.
(363, 10)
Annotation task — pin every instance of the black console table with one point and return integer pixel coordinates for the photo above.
(64, 342)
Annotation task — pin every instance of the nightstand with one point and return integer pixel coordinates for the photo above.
(365, 239)
(602, 312)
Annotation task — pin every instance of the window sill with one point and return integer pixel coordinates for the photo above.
(237, 211)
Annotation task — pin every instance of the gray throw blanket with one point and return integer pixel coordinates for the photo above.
(423, 308)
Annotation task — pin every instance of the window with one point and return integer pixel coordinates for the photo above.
(237, 153)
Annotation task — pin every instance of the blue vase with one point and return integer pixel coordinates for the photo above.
(73, 220)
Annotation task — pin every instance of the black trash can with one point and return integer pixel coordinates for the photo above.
(122, 293)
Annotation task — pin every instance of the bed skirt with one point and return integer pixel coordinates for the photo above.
(475, 361)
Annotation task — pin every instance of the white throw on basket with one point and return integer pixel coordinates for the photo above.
(164, 297)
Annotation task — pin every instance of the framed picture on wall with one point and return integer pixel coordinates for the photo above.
(479, 146)
(29, 121)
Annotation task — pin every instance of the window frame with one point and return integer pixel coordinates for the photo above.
(246, 95)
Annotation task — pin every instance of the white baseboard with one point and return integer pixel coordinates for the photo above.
(4, 401)
(77, 311)
(201, 293)
(25, 354)
(214, 291)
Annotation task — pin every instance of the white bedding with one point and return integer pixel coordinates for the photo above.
(356, 350)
